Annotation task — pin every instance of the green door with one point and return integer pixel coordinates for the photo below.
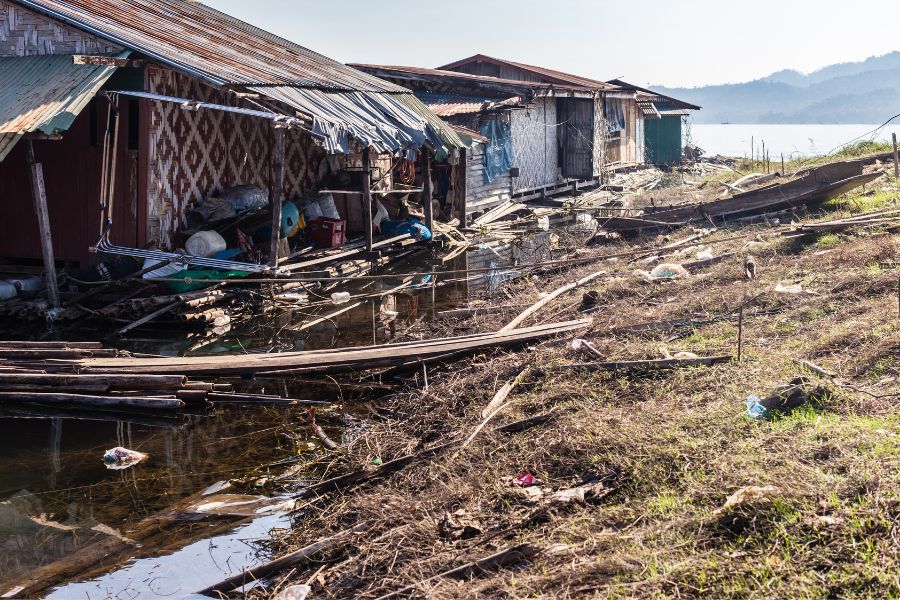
(662, 140)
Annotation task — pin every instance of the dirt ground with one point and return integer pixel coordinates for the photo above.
(671, 489)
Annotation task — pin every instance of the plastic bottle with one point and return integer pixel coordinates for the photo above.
(340, 297)
(30, 284)
(7, 290)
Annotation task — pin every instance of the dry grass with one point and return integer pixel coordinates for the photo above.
(670, 447)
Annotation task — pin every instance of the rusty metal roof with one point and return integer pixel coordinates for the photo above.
(207, 43)
(44, 94)
(548, 75)
(449, 106)
(401, 73)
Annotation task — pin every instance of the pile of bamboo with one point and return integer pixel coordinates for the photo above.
(46, 373)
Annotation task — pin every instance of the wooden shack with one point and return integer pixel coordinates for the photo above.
(118, 116)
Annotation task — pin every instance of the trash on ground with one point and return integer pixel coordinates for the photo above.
(799, 392)
(788, 288)
(663, 272)
(526, 480)
(122, 458)
(294, 592)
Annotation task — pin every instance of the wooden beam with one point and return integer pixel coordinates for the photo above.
(39, 193)
(367, 197)
(106, 61)
(277, 191)
(427, 192)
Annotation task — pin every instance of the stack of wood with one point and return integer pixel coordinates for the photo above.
(46, 373)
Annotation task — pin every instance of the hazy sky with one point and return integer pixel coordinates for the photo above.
(668, 42)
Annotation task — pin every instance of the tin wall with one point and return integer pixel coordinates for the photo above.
(534, 144)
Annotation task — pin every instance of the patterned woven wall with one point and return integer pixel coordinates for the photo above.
(195, 154)
(27, 33)
(534, 132)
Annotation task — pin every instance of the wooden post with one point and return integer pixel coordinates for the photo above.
(426, 192)
(782, 165)
(43, 216)
(367, 197)
(277, 192)
(763, 153)
(752, 151)
(740, 341)
(896, 166)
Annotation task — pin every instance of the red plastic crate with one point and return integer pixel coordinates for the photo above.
(327, 233)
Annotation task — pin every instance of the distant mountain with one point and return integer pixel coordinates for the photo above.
(853, 92)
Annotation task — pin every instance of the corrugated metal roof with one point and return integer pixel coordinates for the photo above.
(444, 105)
(548, 74)
(195, 38)
(460, 77)
(45, 94)
(385, 122)
(648, 109)
(661, 100)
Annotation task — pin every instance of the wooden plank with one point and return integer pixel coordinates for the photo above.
(344, 358)
(156, 403)
(39, 197)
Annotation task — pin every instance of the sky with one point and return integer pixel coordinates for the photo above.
(672, 42)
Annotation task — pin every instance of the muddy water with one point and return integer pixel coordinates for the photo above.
(57, 497)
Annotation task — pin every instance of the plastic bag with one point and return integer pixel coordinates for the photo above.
(246, 197)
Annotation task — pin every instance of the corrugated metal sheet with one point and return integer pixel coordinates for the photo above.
(385, 122)
(543, 74)
(448, 106)
(414, 73)
(198, 39)
(648, 110)
(43, 93)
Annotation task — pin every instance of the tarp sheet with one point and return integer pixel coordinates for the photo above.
(386, 122)
(498, 150)
(615, 116)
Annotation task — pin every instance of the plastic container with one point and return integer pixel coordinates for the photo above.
(30, 284)
(340, 297)
(327, 233)
(326, 203)
(7, 290)
(205, 244)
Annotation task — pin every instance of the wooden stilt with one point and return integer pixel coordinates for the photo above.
(277, 192)
(427, 207)
(367, 197)
(43, 216)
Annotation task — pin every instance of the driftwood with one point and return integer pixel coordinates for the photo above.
(496, 405)
(300, 557)
(550, 298)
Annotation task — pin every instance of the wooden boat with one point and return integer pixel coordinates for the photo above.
(816, 186)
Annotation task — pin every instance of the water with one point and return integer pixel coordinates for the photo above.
(55, 490)
(793, 141)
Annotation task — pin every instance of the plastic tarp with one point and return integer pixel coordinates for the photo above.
(385, 122)
(615, 116)
(498, 150)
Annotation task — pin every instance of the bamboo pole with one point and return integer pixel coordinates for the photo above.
(367, 196)
(427, 207)
(92, 401)
(548, 299)
(277, 192)
(896, 165)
